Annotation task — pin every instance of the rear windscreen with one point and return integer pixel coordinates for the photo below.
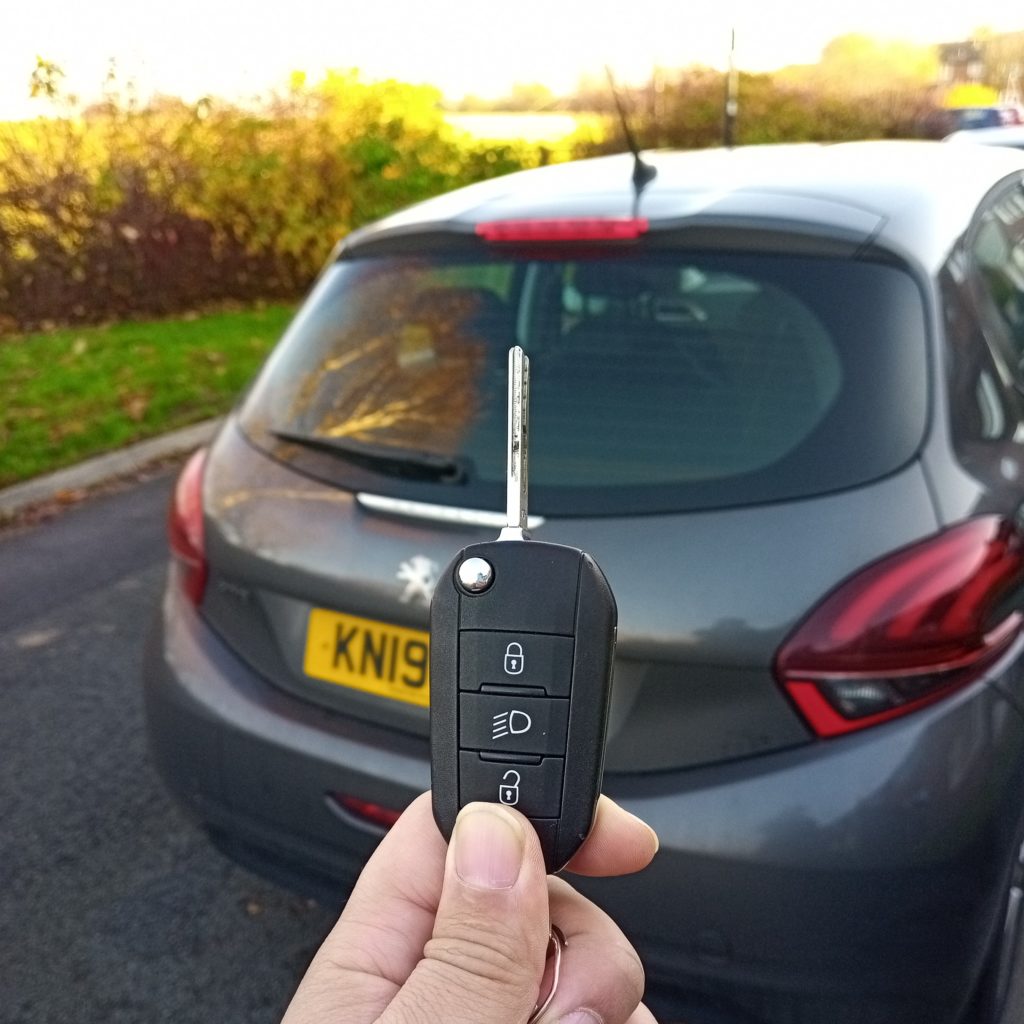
(660, 380)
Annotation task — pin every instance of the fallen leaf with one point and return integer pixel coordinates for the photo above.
(38, 638)
(135, 406)
(67, 428)
(69, 496)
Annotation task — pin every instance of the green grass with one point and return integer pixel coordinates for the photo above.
(70, 394)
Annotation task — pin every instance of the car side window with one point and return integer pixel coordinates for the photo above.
(979, 407)
(997, 273)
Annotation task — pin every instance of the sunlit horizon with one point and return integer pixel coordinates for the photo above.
(192, 49)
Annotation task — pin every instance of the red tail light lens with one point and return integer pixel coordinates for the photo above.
(375, 814)
(185, 527)
(908, 629)
(564, 229)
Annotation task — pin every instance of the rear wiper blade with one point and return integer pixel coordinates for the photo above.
(408, 463)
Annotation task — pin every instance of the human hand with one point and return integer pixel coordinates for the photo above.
(458, 934)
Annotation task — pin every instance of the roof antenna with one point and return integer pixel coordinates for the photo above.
(731, 102)
(643, 173)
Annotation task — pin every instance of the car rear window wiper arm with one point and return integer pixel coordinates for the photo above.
(409, 463)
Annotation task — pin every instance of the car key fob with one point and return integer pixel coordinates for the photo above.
(522, 639)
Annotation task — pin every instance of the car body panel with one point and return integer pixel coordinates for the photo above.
(1003, 135)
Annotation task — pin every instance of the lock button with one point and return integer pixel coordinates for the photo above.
(538, 661)
(514, 659)
(534, 789)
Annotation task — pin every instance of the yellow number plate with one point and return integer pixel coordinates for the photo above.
(375, 657)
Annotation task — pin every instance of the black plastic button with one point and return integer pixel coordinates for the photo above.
(515, 659)
(531, 788)
(520, 725)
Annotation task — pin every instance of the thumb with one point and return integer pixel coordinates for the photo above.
(485, 959)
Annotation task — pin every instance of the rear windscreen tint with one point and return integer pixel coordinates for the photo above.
(660, 381)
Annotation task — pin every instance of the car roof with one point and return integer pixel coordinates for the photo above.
(915, 198)
(1000, 135)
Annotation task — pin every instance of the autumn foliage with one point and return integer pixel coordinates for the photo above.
(122, 210)
(119, 210)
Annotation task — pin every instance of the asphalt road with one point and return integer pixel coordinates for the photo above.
(113, 906)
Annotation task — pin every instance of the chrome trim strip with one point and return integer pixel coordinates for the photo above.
(438, 513)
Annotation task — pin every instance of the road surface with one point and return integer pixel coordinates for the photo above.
(114, 907)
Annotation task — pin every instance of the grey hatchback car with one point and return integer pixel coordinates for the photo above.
(778, 396)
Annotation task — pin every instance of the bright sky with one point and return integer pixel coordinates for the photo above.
(239, 50)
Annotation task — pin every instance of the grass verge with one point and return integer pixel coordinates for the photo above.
(70, 394)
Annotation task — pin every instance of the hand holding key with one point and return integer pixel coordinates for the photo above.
(459, 933)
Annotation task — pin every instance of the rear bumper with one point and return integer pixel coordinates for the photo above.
(256, 764)
(856, 880)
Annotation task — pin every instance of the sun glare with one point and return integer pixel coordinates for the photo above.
(195, 48)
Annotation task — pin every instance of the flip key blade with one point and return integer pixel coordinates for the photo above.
(518, 445)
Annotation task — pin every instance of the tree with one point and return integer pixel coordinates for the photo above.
(1004, 59)
(855, 64)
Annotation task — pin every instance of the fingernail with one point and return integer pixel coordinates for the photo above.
(488, 848)
(580, 1017)
(657, 841)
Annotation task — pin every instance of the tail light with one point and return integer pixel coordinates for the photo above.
(185, 527)
(376, 814)
(907, 630)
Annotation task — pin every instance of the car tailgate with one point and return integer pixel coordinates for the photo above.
(705, 598)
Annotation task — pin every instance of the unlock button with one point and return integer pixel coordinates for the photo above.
(508, 791)
(534, 789)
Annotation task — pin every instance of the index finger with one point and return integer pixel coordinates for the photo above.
(619, 843)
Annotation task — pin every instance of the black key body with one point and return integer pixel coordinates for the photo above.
(520, 681)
